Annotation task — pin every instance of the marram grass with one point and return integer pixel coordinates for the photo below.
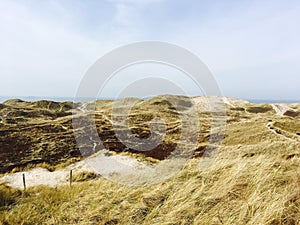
(237, 188)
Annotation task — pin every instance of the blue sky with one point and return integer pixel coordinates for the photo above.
(251, 47)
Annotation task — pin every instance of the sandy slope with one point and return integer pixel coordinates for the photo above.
(41, 176)
(280, 109)
(108, 165)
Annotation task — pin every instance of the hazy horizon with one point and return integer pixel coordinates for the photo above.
(70, 98)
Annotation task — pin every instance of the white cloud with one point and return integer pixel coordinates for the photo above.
(40, 56)
(47, 46)
(245, 39)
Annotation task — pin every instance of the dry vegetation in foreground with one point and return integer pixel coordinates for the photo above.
(239, 188)
(255, 179)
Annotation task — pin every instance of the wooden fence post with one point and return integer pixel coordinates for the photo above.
(24, 182)
(71, 178)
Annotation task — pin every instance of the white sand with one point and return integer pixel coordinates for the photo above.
(105, 165)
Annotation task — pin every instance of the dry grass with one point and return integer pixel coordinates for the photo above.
(84, 176)
(263, 188)
(8, 196)
(46, 165)
(255, 179)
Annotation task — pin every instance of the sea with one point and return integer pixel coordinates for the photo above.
(71, 99)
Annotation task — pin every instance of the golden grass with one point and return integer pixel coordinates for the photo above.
(8, 196)
(263, 188)
(84, 176)
(255, 179)
(288, 127)
(46, 165)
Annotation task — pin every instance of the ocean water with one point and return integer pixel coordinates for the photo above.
(35, 98)
(63, 99)
(51, 98)
(264, 101)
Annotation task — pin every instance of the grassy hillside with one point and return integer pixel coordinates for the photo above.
(250, 186)
(255, 178)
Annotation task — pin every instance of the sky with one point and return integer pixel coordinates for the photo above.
(252, 48)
